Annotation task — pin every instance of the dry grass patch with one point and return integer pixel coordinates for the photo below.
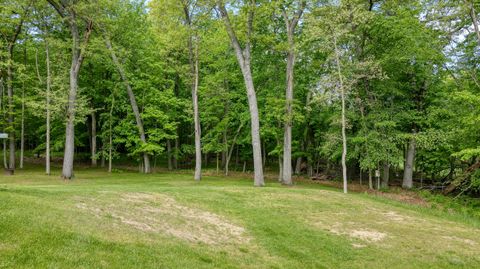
(373, 225)
(159, 213)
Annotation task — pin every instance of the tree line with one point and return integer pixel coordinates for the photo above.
(368, 89)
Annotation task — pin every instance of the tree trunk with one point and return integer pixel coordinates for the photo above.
(386, 174)
(409, 164)
(225, 147)
(287, 143)
(110, 135)
(77, 59)
(287, 138)
(243, 58)
(193, 58)
(473, 16)
(370, 181)
(2, 93)
(280, 168)
(196, 117)
(169, 155)
(133, 103)
(94, 140)
(47, 105)
(298, 165)
(10, 110)
(22, 131)
(175, 152)
(5, 164)
(344, 137)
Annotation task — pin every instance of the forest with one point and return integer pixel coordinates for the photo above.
(299, 87)
(377, 95)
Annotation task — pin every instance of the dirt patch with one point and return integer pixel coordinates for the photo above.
(366, 235)
(162, 214)
(461, 240)
(394, 216)
(358, 245)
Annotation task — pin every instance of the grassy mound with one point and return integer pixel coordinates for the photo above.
(129, 220)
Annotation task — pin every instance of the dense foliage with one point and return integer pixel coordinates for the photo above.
(400, 78)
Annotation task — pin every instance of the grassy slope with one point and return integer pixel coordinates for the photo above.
(45, 222)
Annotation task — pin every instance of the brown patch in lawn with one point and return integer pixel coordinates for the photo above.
(158, 213)
(394, 216)
(366, 235)
(461, 240)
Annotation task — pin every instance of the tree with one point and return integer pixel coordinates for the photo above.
(189, 8)
(67, 10)
(133, 102)
(290, 25)
(244, 60)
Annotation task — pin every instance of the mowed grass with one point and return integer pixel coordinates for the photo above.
(130, 220)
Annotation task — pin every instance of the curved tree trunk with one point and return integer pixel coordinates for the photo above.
(243, 58)
(133, 102)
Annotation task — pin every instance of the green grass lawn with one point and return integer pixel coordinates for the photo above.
(129, 220)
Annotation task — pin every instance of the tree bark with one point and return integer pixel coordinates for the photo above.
(176, 151)
(22, 131)
(193, 58)
(133, 102)
(344, 137)
(243, 58)
(110, 135)
(47, 106)
(298, 165)
(169, 155)
(10, 109)
(47, 103)
(409, 164)
(386, 174)
(370, 181)
(198, 131)
(94, 140)
(2, 94)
